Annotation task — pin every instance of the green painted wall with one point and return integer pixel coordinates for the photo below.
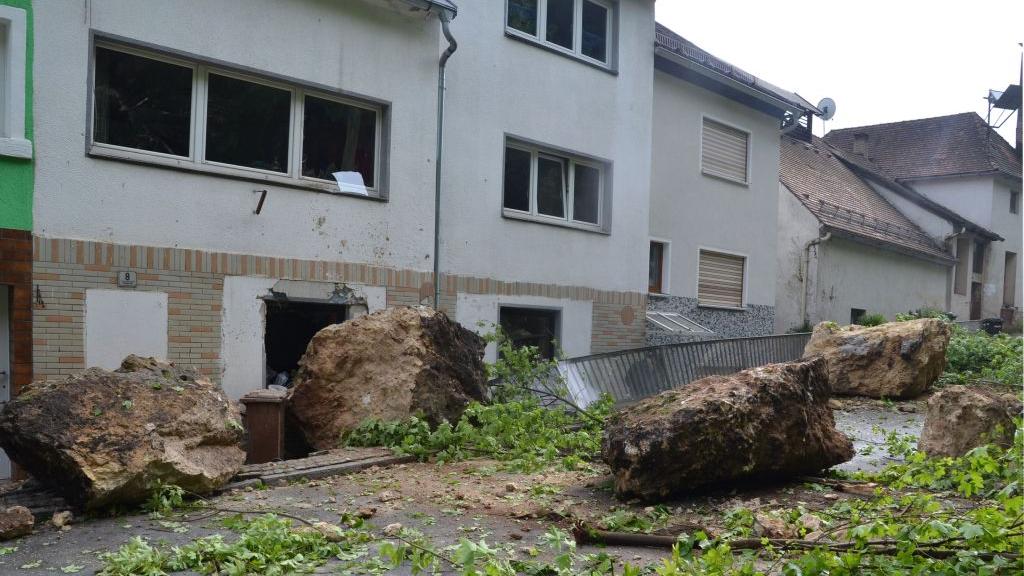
(16, 175)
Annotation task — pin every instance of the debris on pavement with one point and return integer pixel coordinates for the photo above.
(15, 522)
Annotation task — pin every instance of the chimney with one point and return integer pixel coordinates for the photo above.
(860, 144)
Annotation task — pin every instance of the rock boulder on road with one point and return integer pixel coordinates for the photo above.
(104, 437)
(387, 365)
(15, 522)
(764, 423)
(894, 360)
(961, 418)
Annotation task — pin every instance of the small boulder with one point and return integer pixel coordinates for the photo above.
(960, 418)
(104, 437)
(15, 522)
(764, 423)
(387, 365)
(894, 360)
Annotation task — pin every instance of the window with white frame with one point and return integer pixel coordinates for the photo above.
(13, 46)
(720, 279)
(579, 27)
(185, 113)
(725, 151)
(553, 186)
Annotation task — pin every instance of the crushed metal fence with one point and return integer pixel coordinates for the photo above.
(631, 375)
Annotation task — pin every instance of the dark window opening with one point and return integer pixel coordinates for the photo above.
(289, 328)
(978, 263)
(560, 19)
(522, 15)
(1014, 202)
(142, 103)
(656, 267)
(338, 137)
(595, 31)
(531, 327)
(856, 314)
(517, 179)
(247, 124)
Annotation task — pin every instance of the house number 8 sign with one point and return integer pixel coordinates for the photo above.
(127, 279)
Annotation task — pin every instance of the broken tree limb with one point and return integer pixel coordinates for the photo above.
(939, 549)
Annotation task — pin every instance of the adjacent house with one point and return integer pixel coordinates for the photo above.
(959, 166)
(714, 194)
(15, 201)
(215, 182)
(843, 249)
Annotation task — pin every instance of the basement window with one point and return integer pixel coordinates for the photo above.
(536, 327)
(554, 187)
(186, 113)
(579, 28)
(289, 327)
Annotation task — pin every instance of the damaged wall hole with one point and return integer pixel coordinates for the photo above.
(289, 328)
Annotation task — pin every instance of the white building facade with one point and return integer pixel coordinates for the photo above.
(218, 179)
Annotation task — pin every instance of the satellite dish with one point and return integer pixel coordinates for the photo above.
(828, 108)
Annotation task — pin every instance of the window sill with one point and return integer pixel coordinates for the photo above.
(744, 183)
(725, 308)
(515, 215)
(186, 165)
(526, 38)
(16, 148)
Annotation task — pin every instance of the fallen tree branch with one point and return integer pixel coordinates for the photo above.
(939, 549)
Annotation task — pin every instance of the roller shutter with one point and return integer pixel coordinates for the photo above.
(720, 280)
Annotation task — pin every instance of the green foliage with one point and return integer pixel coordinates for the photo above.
(164, 498)
(266, 545)
(872, 320)
(522, 434)
(650, 520)
(978, 356)
(987, 470)
(516, 429)
(925, 313)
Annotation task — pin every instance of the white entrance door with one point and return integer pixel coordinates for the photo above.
(5, 366)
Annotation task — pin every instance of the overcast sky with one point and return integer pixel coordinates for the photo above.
(880, 61)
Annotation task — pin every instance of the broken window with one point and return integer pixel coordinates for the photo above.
(536, 327)
(339, 137)
(289, 328)
(142, 103)
(143, 106)
(554, 185)
(247, 124)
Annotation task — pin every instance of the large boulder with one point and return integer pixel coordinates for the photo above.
(15, 522)
(961, 418)
(894, 360)
(764, 423)
(387, 365)
(104, 437)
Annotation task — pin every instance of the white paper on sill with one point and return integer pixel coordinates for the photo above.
(351, 182)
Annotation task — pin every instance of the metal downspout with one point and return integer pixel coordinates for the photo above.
(452, 46)
(807, 271)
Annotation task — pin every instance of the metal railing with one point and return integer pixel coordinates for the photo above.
(632, 375)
